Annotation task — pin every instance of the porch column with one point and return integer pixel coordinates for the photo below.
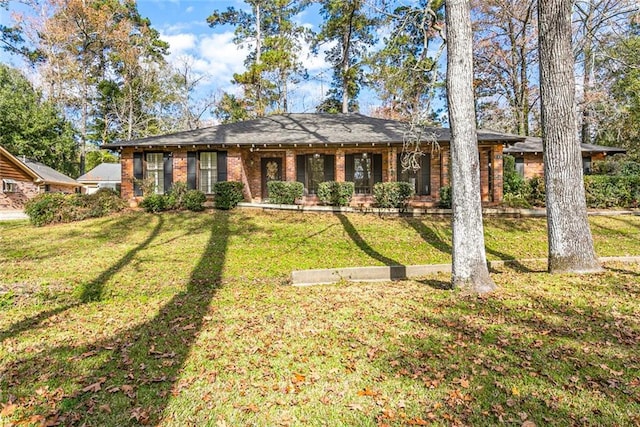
(290, 166)
(498, 170)
(340, 174)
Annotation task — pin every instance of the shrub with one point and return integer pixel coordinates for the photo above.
(514, 183)
(284, 192)
(517, 200)
(154, 203)
(392, 194)
(52, 208)
(194, 200)
(335, 193)
(603, 191)
(535, 192)
(227, 194)
(445, 197)
(174, 199)
(43, 208)
(616, 167)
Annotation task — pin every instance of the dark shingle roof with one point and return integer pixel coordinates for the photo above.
(533, 144)
(103, 172)
(289, 129)
(48, 175)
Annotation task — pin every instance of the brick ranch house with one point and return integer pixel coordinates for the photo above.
(528, 156)
(22, 179)
(310, 148)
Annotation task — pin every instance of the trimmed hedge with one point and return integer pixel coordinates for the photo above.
(604, 191)
(392, 194)
(336, 193)
(194, 200)
(53, 208)
(178, 198)
(284, 192)
(227, 194)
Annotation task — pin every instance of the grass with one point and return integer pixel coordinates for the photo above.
(181, 319)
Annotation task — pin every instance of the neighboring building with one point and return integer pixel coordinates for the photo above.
(528, 156)
(309, 148)
(22, 179)
(105, 175)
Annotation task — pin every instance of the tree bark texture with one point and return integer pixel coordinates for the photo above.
(570, 242)
(470, 270)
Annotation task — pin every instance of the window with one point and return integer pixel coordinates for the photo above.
(420, 178)
(9, 185)
(155, 171)
(208, 171)
(586, 165)
(363, 170)
(312, 169)
(520, 166)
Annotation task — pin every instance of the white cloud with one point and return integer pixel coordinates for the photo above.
(189, 9)
(179, 43)
(223, 56)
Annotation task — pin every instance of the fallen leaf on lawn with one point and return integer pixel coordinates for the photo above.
(367, 392)
(515, 391)
(417, 422)
(97, 386)
(105, 408)
(189, 327)
(140, 415)
(528, 424)
(252, 408)
(8, 410)
(298, 378)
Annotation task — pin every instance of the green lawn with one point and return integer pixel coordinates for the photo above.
(182, 319)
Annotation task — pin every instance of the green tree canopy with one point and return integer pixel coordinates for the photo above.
(33, 127)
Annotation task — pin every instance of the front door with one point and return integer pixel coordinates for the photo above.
(271, 170)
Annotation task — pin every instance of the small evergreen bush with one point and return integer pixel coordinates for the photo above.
(193, 200)
(285, 192)
(445, 197)
(392, 194)
(174, 199)
(535, 191)
(336, 193)
(154, 203)
(227, 194)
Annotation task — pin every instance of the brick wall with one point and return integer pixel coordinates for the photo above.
(244, 165)
(24, 192)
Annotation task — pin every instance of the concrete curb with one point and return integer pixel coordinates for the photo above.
(402, 272)
(12, 215)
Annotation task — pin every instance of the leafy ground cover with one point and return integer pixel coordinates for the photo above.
(182, 319)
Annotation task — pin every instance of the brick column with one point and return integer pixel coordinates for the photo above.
(180, 165)
(126, 176)
(340, 174)
(290, 165)
(498, 170)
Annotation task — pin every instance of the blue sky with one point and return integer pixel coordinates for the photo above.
(212, 54)
(211, 51)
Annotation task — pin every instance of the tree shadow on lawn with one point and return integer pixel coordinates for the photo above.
(127, 378)
(432, 238)
(91, 291)
(486, 361)
(398, 272)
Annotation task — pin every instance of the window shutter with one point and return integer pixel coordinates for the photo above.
(168, 171)
(377, 167)
(300, 168)
(192, 165)
(348, 167)
(222, 165)
(138, 174)
(329, 167)
(425, 170)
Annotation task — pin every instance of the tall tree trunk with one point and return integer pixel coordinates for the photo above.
(570, 242)
(469, 259)
(345, 71)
